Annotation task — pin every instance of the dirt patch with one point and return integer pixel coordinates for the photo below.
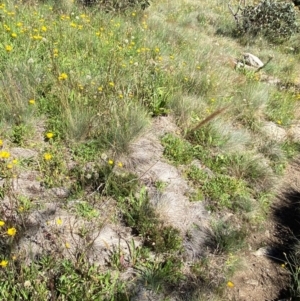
(172, 202)
(265, 275)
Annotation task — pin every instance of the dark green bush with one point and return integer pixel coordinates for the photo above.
(113, 5)
(275, 20)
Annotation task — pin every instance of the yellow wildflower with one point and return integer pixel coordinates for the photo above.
(44, 28)
(11, 231)
(111, 84)
(37, 37)
(63, 76)
(2, 223)
(120, 164)
(15, 161)
(8, 48)
(4, 154)
(3, 263)
(67, 245)
(110, 162)
(47, 156)
(59, 221)
(49, 135)
(31, 101)
(9, 166)
(230, 284)
(14, 35)
(55, 52)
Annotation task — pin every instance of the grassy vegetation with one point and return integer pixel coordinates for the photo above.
(78, 84)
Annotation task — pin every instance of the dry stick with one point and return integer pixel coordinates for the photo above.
(264, 65)
(209, 118)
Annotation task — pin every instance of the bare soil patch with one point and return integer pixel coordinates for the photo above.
(265, 275)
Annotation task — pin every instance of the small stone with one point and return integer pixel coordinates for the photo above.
(264, 251)
(252, 60)
(60, 192)
(252, 282)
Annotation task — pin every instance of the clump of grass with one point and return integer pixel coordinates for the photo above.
(227, 238)
(103, 179)
(159, 275)
(19, 106)
(139, 214)
(123, 125)
(252, 169)
(281, 108)
(250, 103)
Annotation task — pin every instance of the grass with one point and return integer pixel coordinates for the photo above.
(79, 84)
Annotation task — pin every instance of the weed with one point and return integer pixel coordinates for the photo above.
(141, 217)
(19, 134)
(281, 108)
(177, 150)
(52, 165)
(61, 278)
(290, 149)
(161, 274)
(227, 238)
(223, 191)
(160, 185)
(84, 209)
(103, 179)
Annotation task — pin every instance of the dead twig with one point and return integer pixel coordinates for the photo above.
(209, 118)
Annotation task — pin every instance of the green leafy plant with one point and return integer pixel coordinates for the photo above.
(223, 191)
(177, 150)
(141, 217)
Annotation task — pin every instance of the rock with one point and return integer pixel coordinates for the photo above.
(29, 188)
(252, 60)
(274, 132)
(24, 153)
(264, 251)
(59, 192)
(294, 133)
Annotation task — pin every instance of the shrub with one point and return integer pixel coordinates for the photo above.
(275, 20)
(112, 5)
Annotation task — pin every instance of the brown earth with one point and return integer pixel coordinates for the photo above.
(265, 275)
